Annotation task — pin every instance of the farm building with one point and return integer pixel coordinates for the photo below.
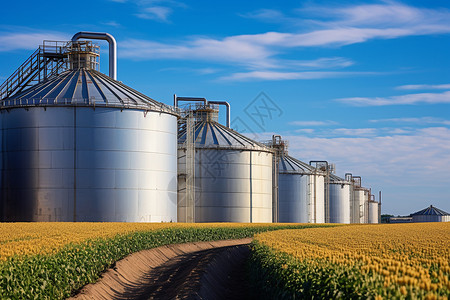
(430, 214)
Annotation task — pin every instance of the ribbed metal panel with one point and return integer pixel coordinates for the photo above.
(431, 210)
(233, 176)
(87, 162)
(339, 200)
(373, 212)
(83, 87)
(301, 199)
(358, 205)
(210, 134)
(431, 214)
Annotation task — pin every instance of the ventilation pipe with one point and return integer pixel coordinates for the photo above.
(112, 47)
(188, 99)
(228, 109)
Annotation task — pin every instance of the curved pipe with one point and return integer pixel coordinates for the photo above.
(228, 109)
(188, 99)
(112, 47)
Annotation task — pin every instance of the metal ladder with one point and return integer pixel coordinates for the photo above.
(48, 60)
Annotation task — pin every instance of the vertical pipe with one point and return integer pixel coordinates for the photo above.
(74, 164)
(112, 47)
(327, 185)
(228, 109)
(251, 188)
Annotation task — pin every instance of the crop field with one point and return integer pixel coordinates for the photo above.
(51, 260)
(398, 261)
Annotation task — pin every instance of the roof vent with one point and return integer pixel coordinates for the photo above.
(83, 54)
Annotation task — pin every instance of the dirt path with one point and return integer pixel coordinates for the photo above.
(204, 270)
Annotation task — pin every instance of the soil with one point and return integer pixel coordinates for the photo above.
(203, 270)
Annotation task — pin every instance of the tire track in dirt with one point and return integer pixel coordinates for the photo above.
(203, 270)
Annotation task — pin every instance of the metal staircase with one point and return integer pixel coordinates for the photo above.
(48, 60)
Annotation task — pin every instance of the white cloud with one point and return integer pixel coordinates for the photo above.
(305, 130)
(323, 63)
(111, 23)
(421, 120)
(276, 75)
(409, 99)
(227, 50)
(355, 131)
(262, 53)
(29, 40)
(158, 13)
(265, 15)
(313, 123)
(424, 87)
(410, 159)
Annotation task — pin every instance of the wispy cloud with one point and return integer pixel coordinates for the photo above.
(421, 120)
(112, 24)
(279, 75)
(156, 10)
(28, 40)
(424, 87)
(355, 131)
(158, 13)
(313, 123)
(410, 99)
(305, 130)
(204, 49)
(411, 156)
(262, 54)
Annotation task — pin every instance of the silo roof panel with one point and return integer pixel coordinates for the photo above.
(83, 87)
(431, 210)
(289, 164)
(211, 134)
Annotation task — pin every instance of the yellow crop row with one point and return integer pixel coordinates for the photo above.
(46, 238)
(409, 257)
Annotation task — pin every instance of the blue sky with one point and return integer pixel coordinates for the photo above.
(362, 84)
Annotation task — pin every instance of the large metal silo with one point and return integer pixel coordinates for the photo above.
(340, 197)
(301, 192)
(301, 197)
(81, 146)
(232, 174)
(373, 212)
(359, 199)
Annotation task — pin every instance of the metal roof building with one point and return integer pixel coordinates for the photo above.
(231, 174)
(430, 214)
(78, 145)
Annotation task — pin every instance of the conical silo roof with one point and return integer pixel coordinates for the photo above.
(211, 134)
(336, 179)
(288, 164)
(431, 210)
(84, 87)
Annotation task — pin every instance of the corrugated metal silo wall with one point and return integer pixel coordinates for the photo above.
(427, 218)
(339, 203)
(295, 198)
(320, 199)
(231, 186)
(373, 213)
(85, 164)
(357, 212)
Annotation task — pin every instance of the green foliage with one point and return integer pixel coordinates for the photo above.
(57, 276)
(277, 275)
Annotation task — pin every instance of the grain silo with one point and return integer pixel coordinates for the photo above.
(430, 214)
(340, 197)
(359, 199)
(373, 212)
(223, 175)
(301, 192)
(80, 146)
